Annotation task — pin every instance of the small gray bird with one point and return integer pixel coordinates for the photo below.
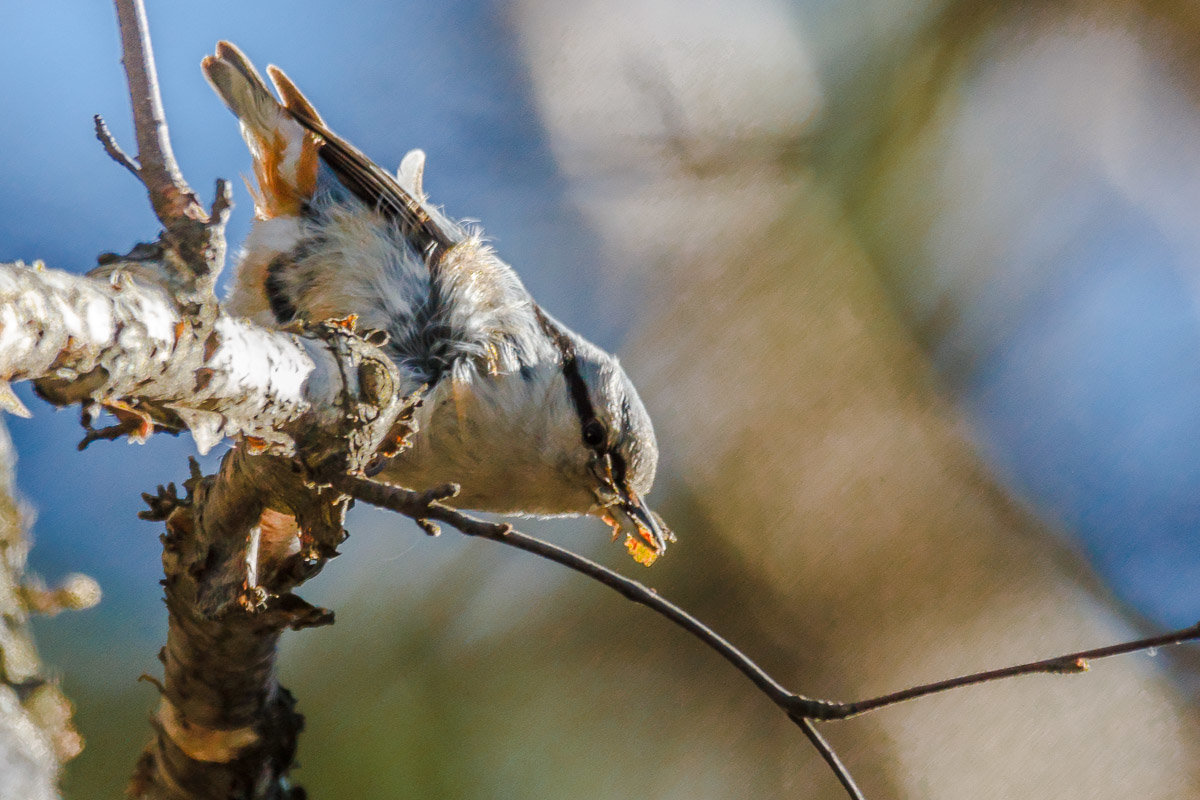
(525, 414)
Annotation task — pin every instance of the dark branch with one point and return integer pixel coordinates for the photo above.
(1069, 664)
(831, 758)
(426, 506)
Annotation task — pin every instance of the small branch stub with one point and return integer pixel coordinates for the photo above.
(113, 149)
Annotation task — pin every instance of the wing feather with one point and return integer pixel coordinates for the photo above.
(369, 182)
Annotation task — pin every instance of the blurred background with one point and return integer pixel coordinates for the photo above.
(911, 289)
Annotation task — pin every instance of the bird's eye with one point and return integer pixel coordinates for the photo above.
(594, 433)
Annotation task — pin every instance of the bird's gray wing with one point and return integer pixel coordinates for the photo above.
(473, 310)
(428, 232)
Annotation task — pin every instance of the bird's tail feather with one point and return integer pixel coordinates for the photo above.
(293, 99)
(284, 153)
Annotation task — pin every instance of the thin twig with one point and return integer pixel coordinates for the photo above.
(170, 195)
(831, 758)
(193, 240)
(1069, 664)
(426, 506)
(113, 149)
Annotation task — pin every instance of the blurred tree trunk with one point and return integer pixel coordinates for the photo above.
(36, 736)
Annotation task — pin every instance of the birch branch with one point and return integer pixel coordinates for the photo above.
(122, 342)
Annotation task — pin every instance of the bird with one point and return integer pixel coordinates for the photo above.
(525, 415)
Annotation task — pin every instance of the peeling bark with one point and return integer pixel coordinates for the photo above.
(225, 727)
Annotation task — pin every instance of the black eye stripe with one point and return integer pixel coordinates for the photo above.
(579, 392)
(582, 401)
(570, 367)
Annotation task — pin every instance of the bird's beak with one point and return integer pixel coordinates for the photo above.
(646, 535)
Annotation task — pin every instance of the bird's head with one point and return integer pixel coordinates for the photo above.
(615, 451)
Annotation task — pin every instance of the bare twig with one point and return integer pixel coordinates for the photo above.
(113, 149)
(193, 239)
(826, 752)
(1068, 664)
(426, 506)
(172, 198)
